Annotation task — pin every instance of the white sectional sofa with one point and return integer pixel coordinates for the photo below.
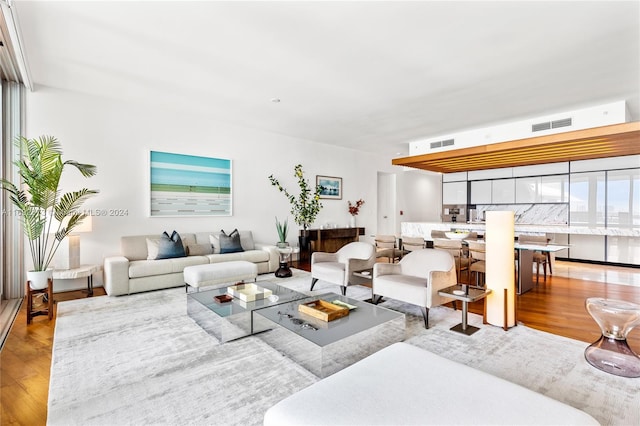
(132, 272)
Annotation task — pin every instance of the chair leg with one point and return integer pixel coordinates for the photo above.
(425, 315)
(549, 263)
(343, 288)
(375, 298)
(313, 282)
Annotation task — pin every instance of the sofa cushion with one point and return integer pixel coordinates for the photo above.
(230, 243)
(254, 256)
(147, 268)
(178, 264)
(165, 247)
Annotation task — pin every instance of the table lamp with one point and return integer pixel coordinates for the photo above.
(68, 253)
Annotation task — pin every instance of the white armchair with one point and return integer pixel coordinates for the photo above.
(416, 279)
(338, 267)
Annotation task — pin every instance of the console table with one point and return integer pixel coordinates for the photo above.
(331, 240)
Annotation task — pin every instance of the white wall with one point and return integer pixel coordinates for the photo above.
(419, 196)
(117, 138)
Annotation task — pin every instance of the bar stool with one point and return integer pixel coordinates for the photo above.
(31, 293)
(611, 353)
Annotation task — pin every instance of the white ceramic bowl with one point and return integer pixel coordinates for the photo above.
(456, 235)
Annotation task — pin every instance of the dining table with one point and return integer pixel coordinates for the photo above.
(524, 276)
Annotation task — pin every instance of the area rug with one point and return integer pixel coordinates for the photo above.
(140, 359)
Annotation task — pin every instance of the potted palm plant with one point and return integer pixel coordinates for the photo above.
(40, 202)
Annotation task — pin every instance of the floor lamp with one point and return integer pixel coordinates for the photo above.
(500, 259)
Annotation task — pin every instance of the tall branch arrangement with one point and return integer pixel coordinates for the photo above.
(306, 206)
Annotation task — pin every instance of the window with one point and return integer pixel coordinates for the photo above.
(587, 201)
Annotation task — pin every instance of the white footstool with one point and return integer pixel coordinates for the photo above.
(218, 273)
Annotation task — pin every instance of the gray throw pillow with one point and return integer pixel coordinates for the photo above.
(230, 243)
(166, 247)
(199, 249)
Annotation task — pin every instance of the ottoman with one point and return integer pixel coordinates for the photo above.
(218, 273)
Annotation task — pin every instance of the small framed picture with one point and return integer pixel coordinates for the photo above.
(331, 187)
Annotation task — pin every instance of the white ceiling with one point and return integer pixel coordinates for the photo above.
(366, 75)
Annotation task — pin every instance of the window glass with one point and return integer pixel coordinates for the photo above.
(587, 201)
(623, 198)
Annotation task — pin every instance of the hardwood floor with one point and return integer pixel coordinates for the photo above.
(556, 306)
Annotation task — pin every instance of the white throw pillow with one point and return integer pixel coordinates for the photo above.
(215, 243)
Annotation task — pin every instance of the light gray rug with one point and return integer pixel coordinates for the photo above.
(140, 359)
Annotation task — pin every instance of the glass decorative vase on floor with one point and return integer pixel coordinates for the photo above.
(611, 353)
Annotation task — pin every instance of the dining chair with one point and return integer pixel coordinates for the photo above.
(386, 247)
(539, 258)
(455, 248)
(477, 256)
(410, 244)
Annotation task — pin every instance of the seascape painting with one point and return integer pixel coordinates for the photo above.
(331, 187)
(188, 185)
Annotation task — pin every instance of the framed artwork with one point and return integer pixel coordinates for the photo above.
(188, 185)
(331, 187)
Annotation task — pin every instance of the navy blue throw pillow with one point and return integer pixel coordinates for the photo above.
(167, 247)
(230, 243)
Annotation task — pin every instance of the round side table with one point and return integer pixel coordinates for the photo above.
(285, 255)
(611, 353)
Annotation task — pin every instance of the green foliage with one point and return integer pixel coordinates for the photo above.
(306, 206)
(283, 230)
(40, 170)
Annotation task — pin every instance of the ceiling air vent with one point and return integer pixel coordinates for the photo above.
(565, 122)
(540, 126)
(438, 144)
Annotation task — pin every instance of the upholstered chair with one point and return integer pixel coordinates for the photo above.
(338, 267)
(416, 279)
(386, 247)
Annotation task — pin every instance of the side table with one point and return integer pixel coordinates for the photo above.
(466, 294)
(81, 272)
(285, 254)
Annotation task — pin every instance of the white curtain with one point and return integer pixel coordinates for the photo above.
(12, 250)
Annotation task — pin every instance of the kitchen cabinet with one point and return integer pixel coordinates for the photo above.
(454, 193)
(503, 191)
(481, 192)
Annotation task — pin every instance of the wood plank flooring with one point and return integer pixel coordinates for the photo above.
(556, 306)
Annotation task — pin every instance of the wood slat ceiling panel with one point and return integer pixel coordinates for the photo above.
(598, 142)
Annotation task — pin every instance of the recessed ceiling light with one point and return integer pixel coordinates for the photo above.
(275, 100)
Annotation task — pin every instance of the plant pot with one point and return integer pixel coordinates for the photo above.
(39, 279)
(282, 244)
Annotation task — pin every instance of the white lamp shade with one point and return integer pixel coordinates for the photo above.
(500, 264)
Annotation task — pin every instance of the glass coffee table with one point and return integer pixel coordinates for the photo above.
(234, 319)
(325, 347)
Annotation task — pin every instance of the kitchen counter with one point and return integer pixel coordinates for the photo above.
(424, 229)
